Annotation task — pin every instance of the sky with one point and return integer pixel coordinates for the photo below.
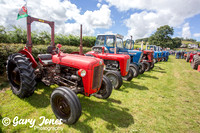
(139, 18)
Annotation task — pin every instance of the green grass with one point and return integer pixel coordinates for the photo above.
(165, 99)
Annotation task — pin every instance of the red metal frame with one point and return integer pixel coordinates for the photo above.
(29, 21)
(29, 55)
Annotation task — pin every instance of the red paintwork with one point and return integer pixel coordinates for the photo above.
(29, 55)
(80, 62)
(122, 59)
(198, 68)
(149, 54)
(191, 56)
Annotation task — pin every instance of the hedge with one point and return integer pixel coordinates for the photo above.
(7, 49)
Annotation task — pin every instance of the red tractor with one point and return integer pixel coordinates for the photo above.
(194, 59)
(73, 73)
(116, 65)
(147, 59)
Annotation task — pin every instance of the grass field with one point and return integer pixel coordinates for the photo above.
(165, 99)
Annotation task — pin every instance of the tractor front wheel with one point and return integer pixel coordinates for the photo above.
(152, 65)
(129, 76)
(141, 68)
(105, 90)
(65, 105)
(147, 66)
(135, 69)
(20, 75)
(154, 60)
(115, 78)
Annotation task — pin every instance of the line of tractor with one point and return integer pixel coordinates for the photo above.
(193, 57)
(95, 73)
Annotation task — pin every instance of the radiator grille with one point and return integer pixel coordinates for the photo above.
(127, 65)
(97, 77)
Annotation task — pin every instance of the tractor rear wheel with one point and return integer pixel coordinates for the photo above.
(115, 78)
(129, 76)
(20, 75)
(188, 57)
(105, 90)
(65, 105)
(135, 69)
(195, 62)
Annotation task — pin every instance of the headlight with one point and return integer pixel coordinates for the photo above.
(100, 62)
(81, 72)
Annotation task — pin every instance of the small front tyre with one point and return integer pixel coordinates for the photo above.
(129, 76)
(147, 66)
(141, 68)
(65, 105)
(105, 90)
(115, 78)
(135, 69)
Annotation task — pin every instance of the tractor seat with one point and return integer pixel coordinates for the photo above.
(46, 59)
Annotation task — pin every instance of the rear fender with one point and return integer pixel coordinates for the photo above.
(29, 55)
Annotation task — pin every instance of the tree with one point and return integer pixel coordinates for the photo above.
(176, 42)
(162, 37)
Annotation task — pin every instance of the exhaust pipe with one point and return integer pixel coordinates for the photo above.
(81, 45)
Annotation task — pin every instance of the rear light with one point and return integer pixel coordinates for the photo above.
(81, 72)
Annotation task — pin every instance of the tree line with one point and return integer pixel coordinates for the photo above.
(19, 35)
(163, 37)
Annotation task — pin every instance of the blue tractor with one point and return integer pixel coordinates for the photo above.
(114, 44)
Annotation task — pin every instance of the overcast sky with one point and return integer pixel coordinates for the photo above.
(139, 18)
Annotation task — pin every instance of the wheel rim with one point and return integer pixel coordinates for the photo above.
(62, 106)
(15, 78)
(113, 80)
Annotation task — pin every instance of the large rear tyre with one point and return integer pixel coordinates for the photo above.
(135, 69)
(65, 105)
(115, 78)
(195, 62)
(147, 66)
(20, 75)
(105, 90)
(141, 68)
(129, 76)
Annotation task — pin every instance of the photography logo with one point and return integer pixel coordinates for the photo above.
(6, 121)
